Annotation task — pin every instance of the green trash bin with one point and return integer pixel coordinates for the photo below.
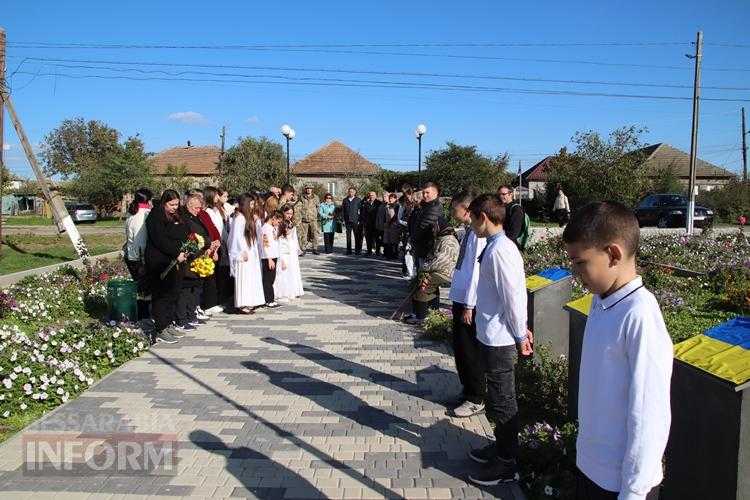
(122, 299)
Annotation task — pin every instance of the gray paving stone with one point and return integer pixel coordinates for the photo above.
(323, 389)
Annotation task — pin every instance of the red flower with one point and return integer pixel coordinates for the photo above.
(742, 220)
(103, 277)
(192, 237)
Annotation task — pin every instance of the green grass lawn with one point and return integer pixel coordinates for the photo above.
(27, 251)
(37, 220)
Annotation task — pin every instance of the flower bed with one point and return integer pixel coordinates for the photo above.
(53, 342)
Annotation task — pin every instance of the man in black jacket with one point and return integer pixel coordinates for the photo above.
(422, 235)
(514, 214)
(368, 218)
(350, 212)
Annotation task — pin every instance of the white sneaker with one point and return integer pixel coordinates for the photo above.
(468, 409)
(215, 310)
(202, 316)
(200, 310)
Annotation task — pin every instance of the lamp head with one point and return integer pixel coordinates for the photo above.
(286, 129)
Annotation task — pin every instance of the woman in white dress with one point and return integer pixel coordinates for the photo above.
(244, 258)
(288, 284)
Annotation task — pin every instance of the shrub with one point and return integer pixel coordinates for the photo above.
(438, 325)
(729, 201)
(43, 370)
(542, 386)
(548, 454)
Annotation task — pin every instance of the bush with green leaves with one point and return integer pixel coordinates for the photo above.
(438, 325)
(729, 201)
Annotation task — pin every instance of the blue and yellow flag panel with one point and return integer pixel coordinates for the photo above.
(723, 351)
(546, 277)
(581, 304)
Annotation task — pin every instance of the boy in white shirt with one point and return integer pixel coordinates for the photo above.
(626, 363)
(269, 254)
(463, 295)
(502, 333)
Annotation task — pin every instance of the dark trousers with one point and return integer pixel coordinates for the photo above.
(269, 276)
(224, 285)
(501, 405)
(562, 216)
(371, 238)
(328, 242)
(210, 295)
(188, 300)
(586, 489)
(378, 241)
(353, 227)
(140, 276)
(164, 296)
(468, 355)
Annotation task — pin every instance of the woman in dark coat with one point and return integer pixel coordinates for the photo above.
(192, 284)
(166, 234)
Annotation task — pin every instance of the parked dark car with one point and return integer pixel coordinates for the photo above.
(81, 212)
(669, 210)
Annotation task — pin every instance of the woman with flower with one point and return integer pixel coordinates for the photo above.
(166, 234)
(327, 221)
(244, 258)
(192, 283)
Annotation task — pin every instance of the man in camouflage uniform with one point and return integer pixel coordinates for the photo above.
(308, 230)
(437, 270)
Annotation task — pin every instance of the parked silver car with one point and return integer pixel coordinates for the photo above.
(81, 212)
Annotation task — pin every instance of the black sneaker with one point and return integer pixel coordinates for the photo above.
(484, 455)
(315, 252)
(496, 472)
(165, 337)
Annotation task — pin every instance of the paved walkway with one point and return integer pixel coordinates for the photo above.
(322, 398)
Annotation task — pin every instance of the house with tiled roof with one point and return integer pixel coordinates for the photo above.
(198, 163)
(334, 166)
(657, 157)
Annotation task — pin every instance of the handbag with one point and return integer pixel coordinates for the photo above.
(339, 226)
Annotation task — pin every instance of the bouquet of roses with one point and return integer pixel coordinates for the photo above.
(191, 246)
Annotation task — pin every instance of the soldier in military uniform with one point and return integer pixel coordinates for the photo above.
(307, 209)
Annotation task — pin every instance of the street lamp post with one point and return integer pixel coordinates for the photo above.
(289, 133)
(419, 132)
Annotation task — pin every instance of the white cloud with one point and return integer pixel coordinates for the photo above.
(253, 119)
(189, 117)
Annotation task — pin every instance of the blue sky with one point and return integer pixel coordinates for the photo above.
(378, 122)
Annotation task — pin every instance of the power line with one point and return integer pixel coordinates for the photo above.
(351, 71)
(396, 85)
(94, 45)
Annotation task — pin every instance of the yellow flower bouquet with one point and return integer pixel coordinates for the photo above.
(203, 266)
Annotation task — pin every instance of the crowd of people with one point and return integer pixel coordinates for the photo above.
(252, 244)
(256, 242)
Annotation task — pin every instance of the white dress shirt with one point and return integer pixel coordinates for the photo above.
(501, 294)
(269, 242)
(623, 394)
(466, 276)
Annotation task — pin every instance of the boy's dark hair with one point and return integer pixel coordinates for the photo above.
(431, 184)
(287, 189)
(463, 198)
(602, 223)
(490, 205)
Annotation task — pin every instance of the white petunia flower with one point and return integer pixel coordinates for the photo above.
(7, 383)
(23, 406)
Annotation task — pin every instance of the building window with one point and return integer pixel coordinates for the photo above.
(331, 187)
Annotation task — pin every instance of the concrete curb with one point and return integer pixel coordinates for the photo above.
(10, 279)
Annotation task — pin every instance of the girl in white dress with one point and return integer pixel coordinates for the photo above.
(244, 258)
(288, 284)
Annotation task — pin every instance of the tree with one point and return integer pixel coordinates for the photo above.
(175, 177)
(105, 183)
(666, 180)
(457, 167)
(729, 201)
(77, 145)
(253, 164)
(601, 169)
(100, 168)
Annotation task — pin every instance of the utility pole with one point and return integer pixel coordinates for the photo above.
(689, 218)
(520, 185)
(744, 147)
(60, 213)
(223, 136)
(2, 130)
